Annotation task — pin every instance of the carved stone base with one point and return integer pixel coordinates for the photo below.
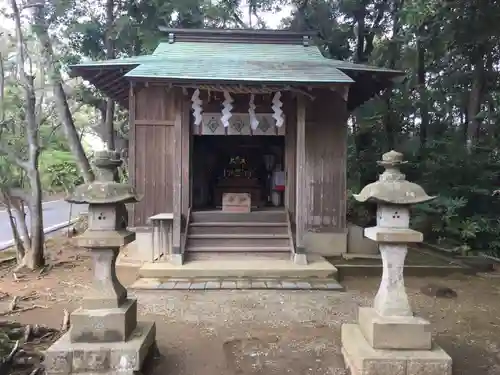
(361, 359)
(104, 325)
(65, 357)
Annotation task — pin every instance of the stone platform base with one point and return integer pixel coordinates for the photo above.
(225, 265)
(362, 359)
(65, 357)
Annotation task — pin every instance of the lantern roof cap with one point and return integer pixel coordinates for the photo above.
(392, 186)
(104, 190)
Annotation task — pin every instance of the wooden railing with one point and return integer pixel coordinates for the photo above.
(186, 231)
(162, 236)
(290, 232)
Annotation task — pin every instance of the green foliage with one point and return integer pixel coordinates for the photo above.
(446, 48)
(59, 171)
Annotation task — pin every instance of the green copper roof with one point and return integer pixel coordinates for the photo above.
(238, 57)
(236, 62)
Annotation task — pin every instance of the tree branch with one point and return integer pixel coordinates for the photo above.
(13, 158)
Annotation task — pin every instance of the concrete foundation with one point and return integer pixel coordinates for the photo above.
(326, 244)
(65, 357)
(362, 359)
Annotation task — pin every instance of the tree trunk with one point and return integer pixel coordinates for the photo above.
(22, 226)
(110, 54)
(475, 99)
(394, 51)
(62, 107)
(424, 109)
(34, 257)
(360, 38)
(14, 222)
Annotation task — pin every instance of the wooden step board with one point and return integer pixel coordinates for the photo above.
(253, 216)
(238, 228)
(252, 232)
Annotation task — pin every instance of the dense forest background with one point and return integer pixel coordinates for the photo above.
(444, 115)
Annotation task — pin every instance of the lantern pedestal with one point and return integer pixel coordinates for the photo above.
(389, 339)
(105, 336)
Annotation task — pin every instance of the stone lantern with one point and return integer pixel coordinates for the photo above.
(388, 338)
(104, 336)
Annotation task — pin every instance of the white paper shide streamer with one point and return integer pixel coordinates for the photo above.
(226, 109)
(254, 123)
(196, 106)
(278, 113)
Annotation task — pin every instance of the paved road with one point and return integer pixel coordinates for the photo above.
(55, 213)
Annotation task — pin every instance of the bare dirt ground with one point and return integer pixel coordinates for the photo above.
(267, 332)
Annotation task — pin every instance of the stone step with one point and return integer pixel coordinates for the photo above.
(238, 228)
(237, 249)
(238, 240)
(254, 216)
(200, 284)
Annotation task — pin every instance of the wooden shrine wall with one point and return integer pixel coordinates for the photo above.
(153, 113)
(290, 111)
(324, 208)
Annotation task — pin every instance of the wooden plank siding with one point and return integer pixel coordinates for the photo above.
(302, 183)
(290, 110)
(325, 163)
(186, 154)
(152, 151)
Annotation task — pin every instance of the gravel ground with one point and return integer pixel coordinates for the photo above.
(269, 332)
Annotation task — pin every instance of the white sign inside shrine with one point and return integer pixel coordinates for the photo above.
(239, 124)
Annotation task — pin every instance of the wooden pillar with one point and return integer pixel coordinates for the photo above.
(290, 152)
(131, 150)
(186, 140)
(301, 177)
(177, 175)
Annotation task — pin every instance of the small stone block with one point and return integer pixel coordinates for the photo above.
(197, 286)
(256, 284)
(58, 361)
(167, 285)
(362, 359)
(300, 259)
(182, 285)
(243, 284)
(212, 285)
(91, 360)
(176, 259)
(273, 284)
(289, 285)
(303, 285)
(319, 286)
(334, 286)
(419, 366)
(227, 284)
(409, 332)
(104, 325)
(146, 283)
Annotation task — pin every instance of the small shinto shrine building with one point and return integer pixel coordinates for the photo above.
(237, 142)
